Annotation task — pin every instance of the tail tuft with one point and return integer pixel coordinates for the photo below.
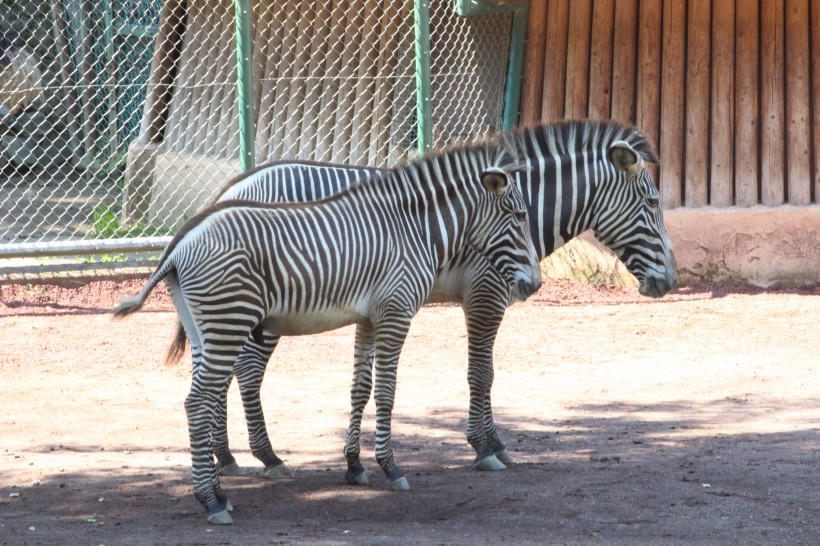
(177, 347)
(128, 305)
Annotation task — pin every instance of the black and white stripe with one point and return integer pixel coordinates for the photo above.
(368, 255)
(576, 176)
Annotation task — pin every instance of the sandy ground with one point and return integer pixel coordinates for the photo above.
(688, 420)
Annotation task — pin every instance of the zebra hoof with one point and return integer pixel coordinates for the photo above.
(400, 485)
(278, 472)
(503, 456)
(231, 469)
(356, 479)
(221, 518)
(489, 463)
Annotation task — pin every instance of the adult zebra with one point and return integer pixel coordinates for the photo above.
(368, 255)
(579, 176)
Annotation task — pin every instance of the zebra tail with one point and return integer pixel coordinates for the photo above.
(177, 347)
(132, 304)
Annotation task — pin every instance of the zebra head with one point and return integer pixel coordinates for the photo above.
(631, 222)
(506, 241)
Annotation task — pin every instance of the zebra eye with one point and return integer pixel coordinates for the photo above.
(520, 216)
(652, 202)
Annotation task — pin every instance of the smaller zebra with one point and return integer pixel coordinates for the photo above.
(367, 255)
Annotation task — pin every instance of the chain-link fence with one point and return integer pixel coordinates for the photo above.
(119, 118)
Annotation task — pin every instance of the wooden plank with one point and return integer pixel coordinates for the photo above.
(647, 115)
(623, 61)
(746, 103)
(262, 28)
(772, 108)
(186, 90)
(361, 123)
(671, 128)
(285, 74)
(161, 79)
(797, 102)
(344, 111)
(722, 112)
(532, 84)
(202, 109)
(311, 111)
(262, 52)
(577, 92)
(199, 115)
(600, 59)
(389, 44)
(697, 105)
(273, 68)
(223, 138)
(304, 31)
(555, 62)
(815, 98)
(330, 80)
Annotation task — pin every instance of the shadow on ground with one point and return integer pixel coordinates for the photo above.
(618, 473)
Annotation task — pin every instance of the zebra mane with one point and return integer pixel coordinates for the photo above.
(577, 134)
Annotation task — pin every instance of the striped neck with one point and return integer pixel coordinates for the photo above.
(435, 198)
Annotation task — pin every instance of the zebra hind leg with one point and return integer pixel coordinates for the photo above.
(250, 371)
(200, 405)
(359, 396)
(207, 384)
(226, 463)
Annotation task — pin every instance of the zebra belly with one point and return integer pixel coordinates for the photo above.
(448, 286)
(309, 322)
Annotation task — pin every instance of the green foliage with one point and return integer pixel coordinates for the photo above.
(108, 226)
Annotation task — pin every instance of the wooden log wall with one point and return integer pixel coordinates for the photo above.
(324, 80)
(326, 92)
(202, 114)
(729, 90)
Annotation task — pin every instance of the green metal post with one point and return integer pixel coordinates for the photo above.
(424, 107)
(244, 88)
(515, 68)
(515, 59)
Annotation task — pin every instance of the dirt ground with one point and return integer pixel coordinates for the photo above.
(687, 420)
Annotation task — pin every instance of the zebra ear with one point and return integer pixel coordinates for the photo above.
(496, 180)
(625, 158)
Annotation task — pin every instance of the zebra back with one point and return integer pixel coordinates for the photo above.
(293, 181)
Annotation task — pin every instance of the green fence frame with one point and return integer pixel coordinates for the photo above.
(421, 14)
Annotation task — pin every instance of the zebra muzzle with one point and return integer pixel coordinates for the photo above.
(525, 289)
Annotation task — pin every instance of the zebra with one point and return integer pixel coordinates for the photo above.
(579, 175)
(288, 181)
(367, 255)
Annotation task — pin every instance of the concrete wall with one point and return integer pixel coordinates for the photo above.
(761, 245)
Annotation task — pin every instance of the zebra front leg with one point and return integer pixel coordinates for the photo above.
(484, 310)
(250, 371)
(390, 336)
(359, 395)
(491, 433)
